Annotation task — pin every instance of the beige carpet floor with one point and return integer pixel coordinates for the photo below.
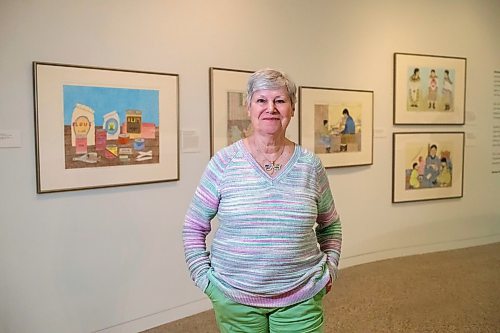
(451, 291)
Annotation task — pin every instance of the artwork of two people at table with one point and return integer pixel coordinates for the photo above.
(337, 128)
(430, 89)
(428, 166)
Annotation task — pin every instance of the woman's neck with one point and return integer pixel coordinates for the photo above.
(267, 144)
(270, 152)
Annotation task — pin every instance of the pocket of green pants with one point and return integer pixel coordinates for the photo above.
(209, 289)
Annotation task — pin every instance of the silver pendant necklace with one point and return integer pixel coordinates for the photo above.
(271, 166)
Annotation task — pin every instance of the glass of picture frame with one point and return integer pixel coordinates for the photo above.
(429, 89)
(229, 121)
(427, 166)
(337, 125)
(100, 127)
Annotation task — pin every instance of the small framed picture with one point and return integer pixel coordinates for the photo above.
(429, 89)
(427, 166)
(337, 125)
(100, 127)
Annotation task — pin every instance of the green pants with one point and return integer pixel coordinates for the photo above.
(232, 317)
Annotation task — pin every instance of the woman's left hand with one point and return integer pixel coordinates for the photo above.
(329, 285)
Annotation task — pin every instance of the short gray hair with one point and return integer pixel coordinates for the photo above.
(271, 79)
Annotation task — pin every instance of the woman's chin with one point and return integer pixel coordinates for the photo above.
(271, 128)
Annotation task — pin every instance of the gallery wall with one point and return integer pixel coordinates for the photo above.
(111, 260)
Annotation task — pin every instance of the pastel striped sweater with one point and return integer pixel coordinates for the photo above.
(278, 239)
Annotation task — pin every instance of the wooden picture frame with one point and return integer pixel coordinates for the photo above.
(427, 166)
(429, 89)
(101, 127)
(337, 125)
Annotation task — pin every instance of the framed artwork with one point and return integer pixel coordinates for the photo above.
(429, 89)
(100, 127)
(228, 111)
(337, 125)
(427, 166)
(229, 121)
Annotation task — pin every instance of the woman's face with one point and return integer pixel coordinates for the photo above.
(270, 111)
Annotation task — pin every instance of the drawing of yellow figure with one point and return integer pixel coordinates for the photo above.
(444, 177)
(414, 181)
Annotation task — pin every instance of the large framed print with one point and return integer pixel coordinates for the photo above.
(429, 89)
(427, 166)
(337, 125)
(229, 120)
(100, 127)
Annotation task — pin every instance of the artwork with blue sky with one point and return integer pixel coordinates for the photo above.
(104, 100)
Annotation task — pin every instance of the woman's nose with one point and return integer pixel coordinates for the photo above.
(270, 107)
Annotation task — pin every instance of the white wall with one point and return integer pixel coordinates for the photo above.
(111, 260)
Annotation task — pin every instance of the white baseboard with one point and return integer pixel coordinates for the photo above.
(159, 318)
(364, 258)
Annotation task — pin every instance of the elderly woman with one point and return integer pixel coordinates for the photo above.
(277, 248)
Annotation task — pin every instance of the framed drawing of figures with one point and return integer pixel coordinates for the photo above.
(429, 89)
(229, 121)
(99, 127)
(337, 125)
(427, 166)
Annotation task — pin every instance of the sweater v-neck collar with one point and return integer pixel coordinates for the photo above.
(284, 170)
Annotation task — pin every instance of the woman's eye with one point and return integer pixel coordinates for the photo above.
(261, 100)
(280, 101)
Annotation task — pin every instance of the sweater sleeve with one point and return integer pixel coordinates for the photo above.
(197, 224)
(328, 230)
